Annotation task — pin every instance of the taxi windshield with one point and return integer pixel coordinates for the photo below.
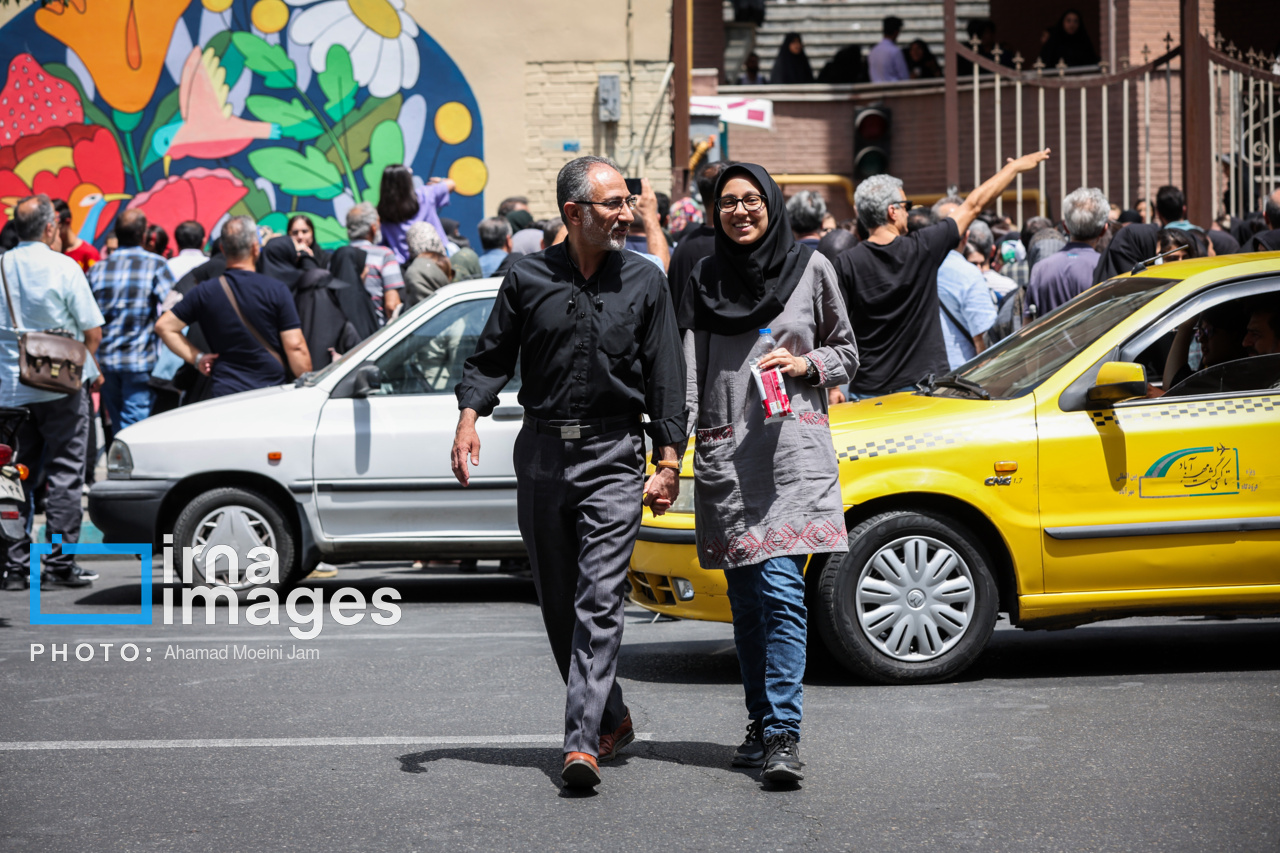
(1020, 362)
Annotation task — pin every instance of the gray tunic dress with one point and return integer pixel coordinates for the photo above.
(770, 490)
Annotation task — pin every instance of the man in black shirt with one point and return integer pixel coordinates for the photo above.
(697, 241)
(595, 334)
(890, 281)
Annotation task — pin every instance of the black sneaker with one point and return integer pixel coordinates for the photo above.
(751, 753)
(15, 582)
(782, 759)
(73, 577)
(85, 572)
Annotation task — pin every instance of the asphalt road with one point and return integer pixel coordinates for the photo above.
(441, 732)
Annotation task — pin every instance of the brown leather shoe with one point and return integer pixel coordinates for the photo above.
(613, 742)
(580, 770)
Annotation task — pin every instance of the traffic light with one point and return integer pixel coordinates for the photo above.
(871, 126)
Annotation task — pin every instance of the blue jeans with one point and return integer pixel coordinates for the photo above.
(769, 620)
(127, 396)
(858, 395)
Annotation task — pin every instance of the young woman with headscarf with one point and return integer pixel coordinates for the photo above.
(767, 495)
(792, 64)
(1068, 41)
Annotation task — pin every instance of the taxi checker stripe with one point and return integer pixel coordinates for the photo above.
(906, 444)
(1247, 405)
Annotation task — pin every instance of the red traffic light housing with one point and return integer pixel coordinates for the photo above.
(872, 129)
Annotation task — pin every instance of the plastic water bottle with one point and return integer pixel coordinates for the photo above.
(770, 383)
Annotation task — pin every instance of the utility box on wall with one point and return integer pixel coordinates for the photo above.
(610, 98)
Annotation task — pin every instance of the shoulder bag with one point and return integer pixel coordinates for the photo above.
(52, 360)
(257, 336)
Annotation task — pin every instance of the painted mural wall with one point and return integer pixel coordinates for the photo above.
(204, 109)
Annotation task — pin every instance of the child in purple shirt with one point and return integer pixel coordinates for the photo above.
(401, 205)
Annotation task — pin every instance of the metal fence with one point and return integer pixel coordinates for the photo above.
(1244, 88)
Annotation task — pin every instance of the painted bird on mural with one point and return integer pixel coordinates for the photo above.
(207, 128)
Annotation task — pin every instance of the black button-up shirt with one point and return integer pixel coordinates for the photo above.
(592, 348)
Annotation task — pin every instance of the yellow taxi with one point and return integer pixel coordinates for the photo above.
(1119, 456)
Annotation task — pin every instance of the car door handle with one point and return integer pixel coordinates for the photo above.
(508, 413)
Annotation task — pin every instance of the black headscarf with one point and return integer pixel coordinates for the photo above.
(743, 288)
(281, 260)
(1074, 49)
(791, 67)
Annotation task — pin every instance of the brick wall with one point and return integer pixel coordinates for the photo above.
(708, 35)
(561, 107)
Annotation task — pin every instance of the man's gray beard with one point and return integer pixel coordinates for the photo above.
(598, 236)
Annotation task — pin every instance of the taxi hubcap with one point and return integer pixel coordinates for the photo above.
(915, 598)
(239, 527)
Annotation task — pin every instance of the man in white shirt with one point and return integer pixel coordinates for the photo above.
(44, 289)
(886, 62)
(189, 236)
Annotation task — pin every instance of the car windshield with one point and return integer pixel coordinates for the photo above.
(1020, 362)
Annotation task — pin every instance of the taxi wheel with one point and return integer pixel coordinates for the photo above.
(912, 602)
(242, 519)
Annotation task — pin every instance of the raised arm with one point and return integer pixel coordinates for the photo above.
(993, 186)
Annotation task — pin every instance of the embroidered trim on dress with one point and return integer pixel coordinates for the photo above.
(814, 418)
(747, 548)
(719, 433)
(822, 368)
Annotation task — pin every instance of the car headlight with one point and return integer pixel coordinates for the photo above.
(684, 501)
(119, 461)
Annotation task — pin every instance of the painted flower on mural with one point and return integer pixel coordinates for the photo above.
(78, 163)
(270, 106)
(204, 195)
(377, 34)
(121, 42)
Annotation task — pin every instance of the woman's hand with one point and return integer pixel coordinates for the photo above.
(790, 365)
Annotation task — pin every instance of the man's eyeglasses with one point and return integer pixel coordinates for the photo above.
(906, 205)
(750, 203)
(612, 205)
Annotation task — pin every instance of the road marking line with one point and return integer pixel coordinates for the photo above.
(225, 743)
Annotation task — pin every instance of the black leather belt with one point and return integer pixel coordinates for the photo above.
(582, 428)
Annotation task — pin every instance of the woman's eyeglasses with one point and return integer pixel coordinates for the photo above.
(612, 205)
(750, 203)
(300, 232)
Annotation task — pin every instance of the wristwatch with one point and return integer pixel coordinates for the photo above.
(668, 463)
(196, 362)
(811, 374)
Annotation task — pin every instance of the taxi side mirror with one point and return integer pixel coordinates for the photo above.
(1118, 380)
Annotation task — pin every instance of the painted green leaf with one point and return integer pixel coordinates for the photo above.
(232, 60)
(386, 147)
(338, 82)
(354, 130)
(166, 111)
(92, 113)
(276, 221)
(126, 122)
(308, 174)
(329, 233)
(268, 60)
(295, 120)
(256, 203)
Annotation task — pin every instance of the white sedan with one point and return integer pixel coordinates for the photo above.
(349, 463)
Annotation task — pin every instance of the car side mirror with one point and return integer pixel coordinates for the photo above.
(368, 381)
(1118, 380)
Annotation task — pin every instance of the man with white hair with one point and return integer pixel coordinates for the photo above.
(1062, 276)
(806, 210)
(890, 281)
(382, 277)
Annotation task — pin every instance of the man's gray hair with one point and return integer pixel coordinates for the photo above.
(872, 199)
(239, 236)
(494, 231)
(1085, 213)
(30, 224)
(981, 237)
(574, 180)
(944, 202)
(806, 209)
(360, 221)
(423, 237)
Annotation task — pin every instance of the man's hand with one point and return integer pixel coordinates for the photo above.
(835, 396)
(204, 363)
(648, 204)
(661, 490)
(791, 365)
(1027, 162)
(466, 446)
